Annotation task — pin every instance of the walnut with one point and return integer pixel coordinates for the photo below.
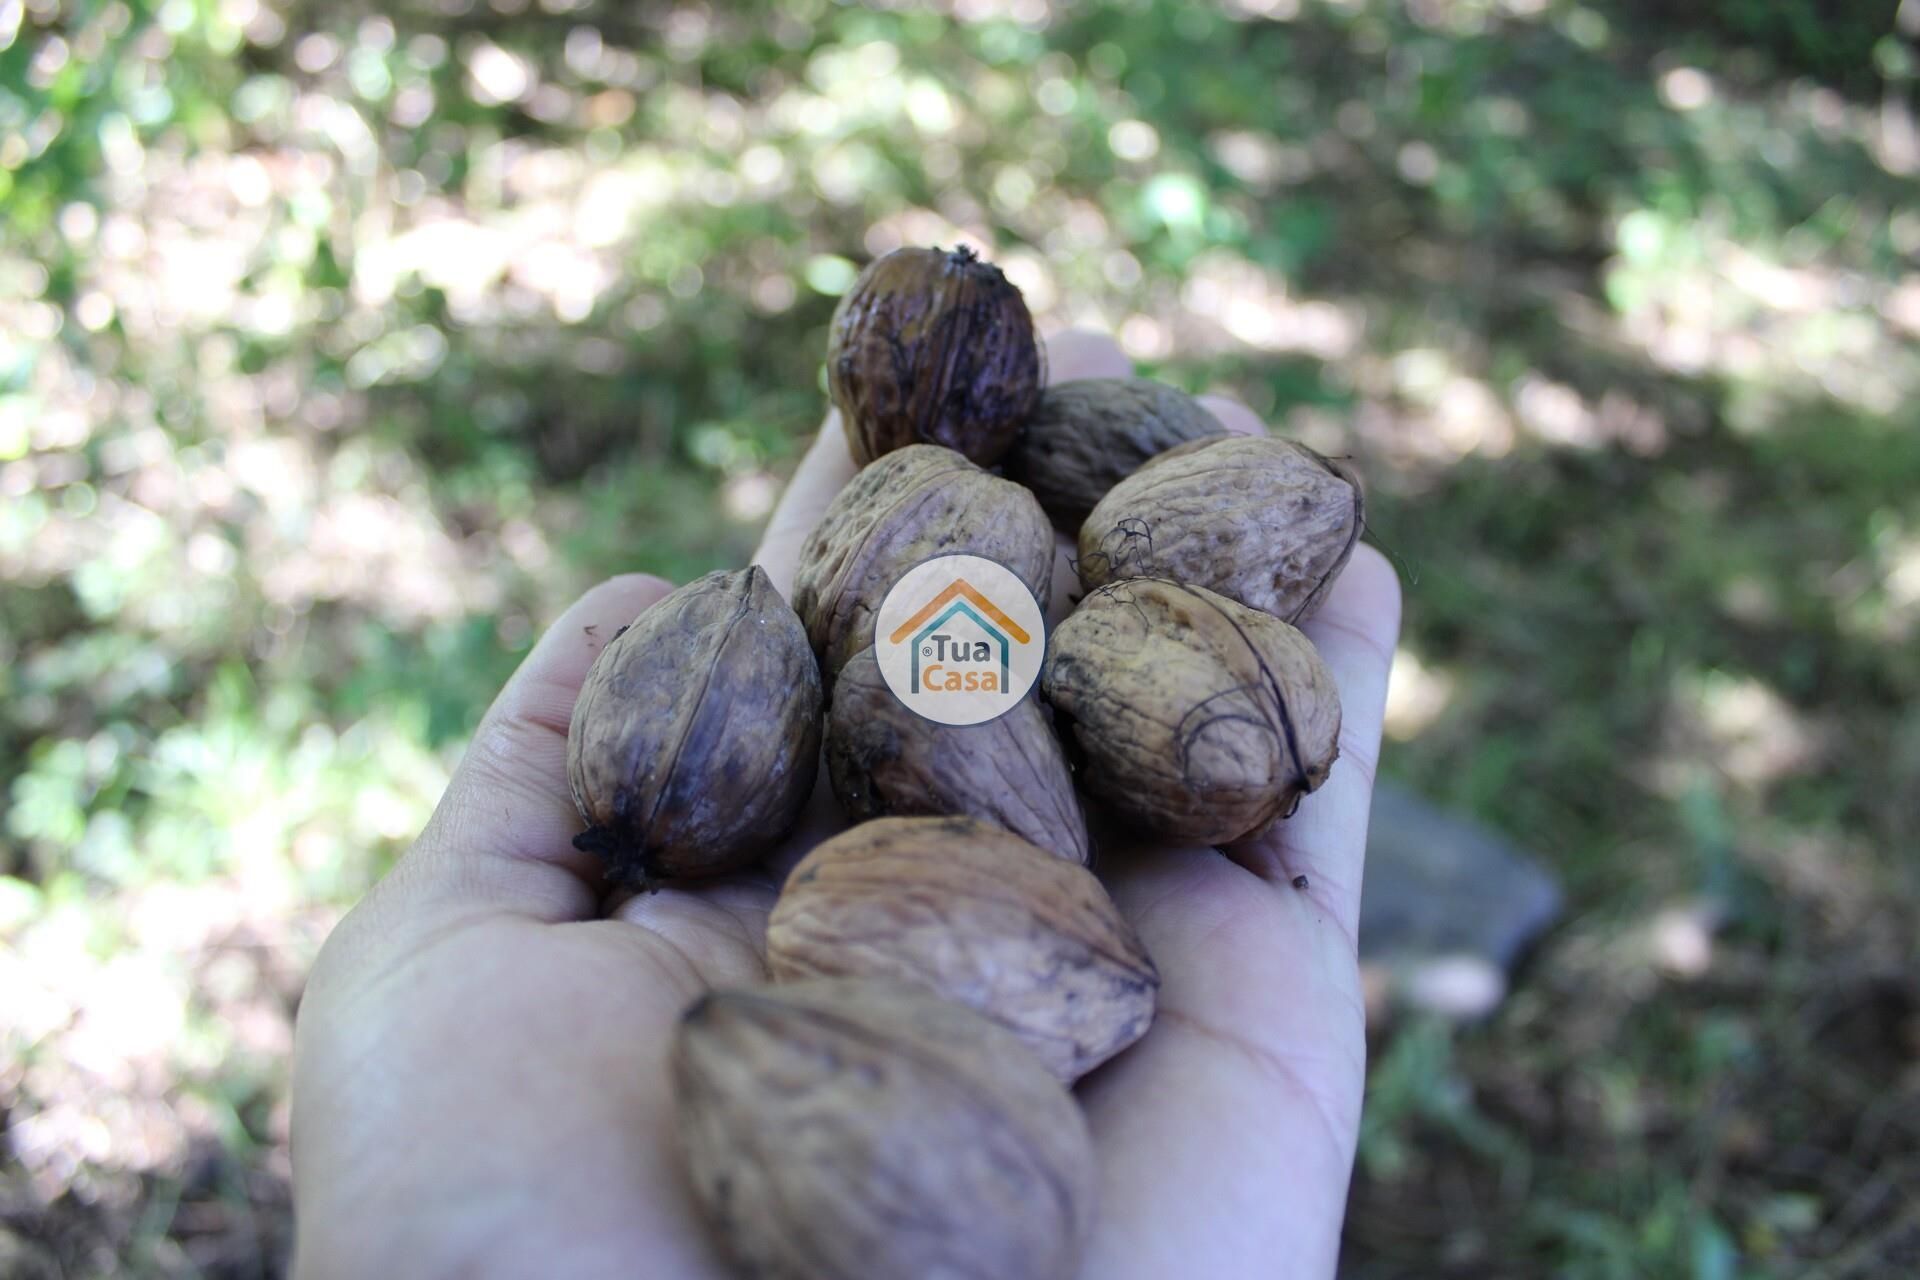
(1199, 718)
(696, 736)
(932, 347)
(841, 1129)
(1262, 520)
(1089, 435)
(978, 916)
(884, 758)
(916, 503)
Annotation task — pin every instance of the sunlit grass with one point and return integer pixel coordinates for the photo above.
(338, 351)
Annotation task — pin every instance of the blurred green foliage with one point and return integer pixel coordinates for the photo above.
(340, 347)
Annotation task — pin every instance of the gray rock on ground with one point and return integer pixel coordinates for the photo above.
(1447, 908)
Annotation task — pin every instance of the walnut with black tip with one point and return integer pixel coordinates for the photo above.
(696, 736)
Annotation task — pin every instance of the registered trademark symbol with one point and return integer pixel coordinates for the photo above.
(926, 651)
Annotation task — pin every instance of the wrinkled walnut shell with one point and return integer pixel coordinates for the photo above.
(932, 347)
(886, 759)
(1261, 520)
(1087, 436)
(695, 738)
(916, 503)
(980, 917)
(1199, 718)
(844, 1129)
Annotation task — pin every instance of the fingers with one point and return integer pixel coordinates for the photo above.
(1355, 632)
(1234, 416)
(822, 473)
(502, 836)
(1260, 1029)
(739, 903)
(1073, 354)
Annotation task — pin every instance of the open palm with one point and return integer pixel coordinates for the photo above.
(480, 1080)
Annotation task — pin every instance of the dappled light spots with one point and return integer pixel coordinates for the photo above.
(1735, 728)
(1417, 696)
(339, 350)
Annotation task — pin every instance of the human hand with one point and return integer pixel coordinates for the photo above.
(480, 1080)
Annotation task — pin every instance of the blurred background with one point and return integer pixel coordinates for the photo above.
(340, 347)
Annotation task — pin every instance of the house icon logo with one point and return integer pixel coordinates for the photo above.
(959, 639)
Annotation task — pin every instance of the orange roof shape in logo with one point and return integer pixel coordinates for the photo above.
(960, 587)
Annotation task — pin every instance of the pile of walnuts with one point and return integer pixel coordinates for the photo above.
(897, 1102)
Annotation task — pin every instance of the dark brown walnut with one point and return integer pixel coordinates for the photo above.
(916, 503)
(933, 347)
(1087, 436)
(696, 736)
(886, 760)
(1265, 521)
(844, 1129)
(1191, 714)
(980, 917)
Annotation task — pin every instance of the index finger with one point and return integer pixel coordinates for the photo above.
(823, 472)
(1326, 839)
(501, 839)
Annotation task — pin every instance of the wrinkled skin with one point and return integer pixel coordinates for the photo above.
(981, 916)
(820, 1120)
(1261, 520)
(885, 759)
(481, 1082)
(1088, 435)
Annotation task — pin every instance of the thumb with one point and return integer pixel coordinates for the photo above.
(501, 839)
